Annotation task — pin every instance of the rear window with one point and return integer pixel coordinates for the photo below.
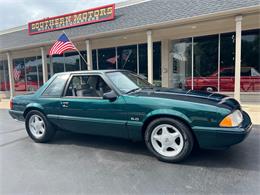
(55, 89)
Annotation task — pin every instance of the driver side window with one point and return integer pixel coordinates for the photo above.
(91, 86)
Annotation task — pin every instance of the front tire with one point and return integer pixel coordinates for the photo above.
(38, 127)
(170, 140)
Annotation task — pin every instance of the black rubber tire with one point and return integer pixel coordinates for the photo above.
(49, 132)
(184, 130)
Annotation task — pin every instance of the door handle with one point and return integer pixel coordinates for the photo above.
(65, 104)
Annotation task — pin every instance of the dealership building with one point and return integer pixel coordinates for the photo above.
(209, 45)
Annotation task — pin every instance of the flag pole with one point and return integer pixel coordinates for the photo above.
(76, 49)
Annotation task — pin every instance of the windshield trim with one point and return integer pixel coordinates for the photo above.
(129, 72)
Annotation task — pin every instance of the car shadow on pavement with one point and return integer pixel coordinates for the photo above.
(100, 142)
(244, 156)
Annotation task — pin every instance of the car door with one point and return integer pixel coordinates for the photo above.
(50, 98)
(84, 110)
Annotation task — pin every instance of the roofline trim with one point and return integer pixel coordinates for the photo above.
(14, 29)
(232, 12)
(119, 5)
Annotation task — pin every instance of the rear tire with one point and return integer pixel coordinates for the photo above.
(38, 127)
(170, 140)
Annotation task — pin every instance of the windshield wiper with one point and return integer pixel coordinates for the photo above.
(132, 90)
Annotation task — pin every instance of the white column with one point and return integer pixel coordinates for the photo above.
(11, 75)
(166, 74)
(150, 56)
(89, 55)
(238, 57)
(44, 65)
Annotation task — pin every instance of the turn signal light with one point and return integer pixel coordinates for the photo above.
(226, 122)
(232, 120)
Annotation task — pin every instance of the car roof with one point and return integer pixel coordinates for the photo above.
(91, 71)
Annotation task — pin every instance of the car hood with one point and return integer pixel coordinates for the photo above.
(216, 99)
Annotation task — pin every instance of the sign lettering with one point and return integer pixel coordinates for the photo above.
(85, 17)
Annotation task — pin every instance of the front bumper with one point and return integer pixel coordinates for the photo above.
(17, 115)
(220, 138)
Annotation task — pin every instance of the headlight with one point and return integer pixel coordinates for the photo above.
(232, 120)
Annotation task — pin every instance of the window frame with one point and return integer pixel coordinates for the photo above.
(85, 97)
(42, 94)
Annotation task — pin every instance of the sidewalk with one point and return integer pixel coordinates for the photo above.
(4, 104)
(252, 109)
(254, 112)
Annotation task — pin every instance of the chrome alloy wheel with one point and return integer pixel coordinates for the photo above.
(37, 126)
(167, 140)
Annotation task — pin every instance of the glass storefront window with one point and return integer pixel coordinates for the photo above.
(4, 76)
(83, 65)
(50, 67)
(107, 58)
(206, 75)
(31, 72)
(250, 61)
(180, 60)
(40, 72)
(72, 61)
(143, 60)
(227, 62)
(157, 64)
(67, 62)
(57, 64)
(94, 59)
(127, 57)
(205, 63)
(19, 75)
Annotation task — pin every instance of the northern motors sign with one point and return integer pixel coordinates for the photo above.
(85, 17)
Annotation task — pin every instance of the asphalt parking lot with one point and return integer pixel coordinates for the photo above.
(81, 164)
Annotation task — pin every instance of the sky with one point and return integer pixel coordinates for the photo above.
(15, 13)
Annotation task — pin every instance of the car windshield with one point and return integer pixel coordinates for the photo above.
(128, 82)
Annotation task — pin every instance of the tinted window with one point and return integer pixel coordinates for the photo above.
(227, 72)
(227, 60)
(205, 55)
(107, 58)
(55, 89)
(127, 57)
(72, 61)
(87, 86)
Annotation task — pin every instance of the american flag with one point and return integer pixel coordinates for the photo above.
(61, 45)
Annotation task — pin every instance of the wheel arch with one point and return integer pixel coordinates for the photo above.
(174, 115)
(33, 106)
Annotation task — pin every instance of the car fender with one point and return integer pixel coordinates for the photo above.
(166, 112)
(32, 106)
(136, 129)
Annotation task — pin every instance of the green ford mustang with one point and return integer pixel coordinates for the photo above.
(121, 104)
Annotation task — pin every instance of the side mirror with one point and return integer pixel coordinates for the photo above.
(111, 96)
